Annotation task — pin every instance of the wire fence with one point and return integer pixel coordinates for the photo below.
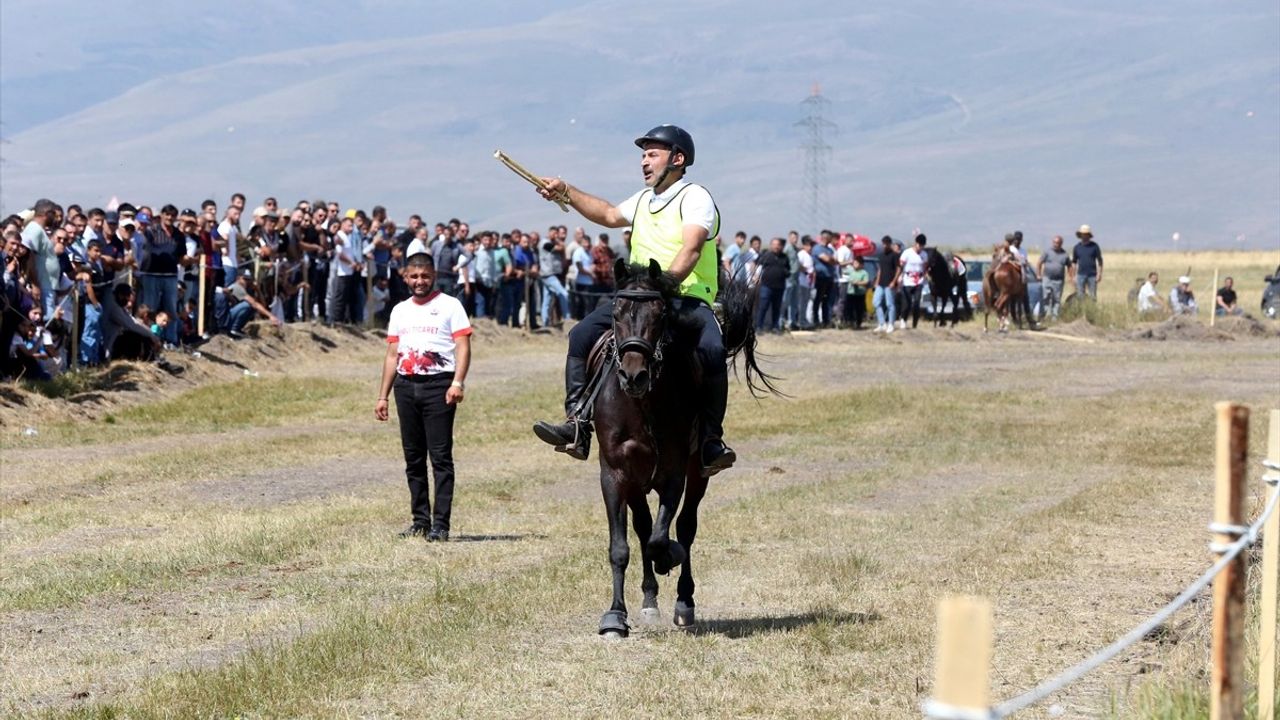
(1246, 536)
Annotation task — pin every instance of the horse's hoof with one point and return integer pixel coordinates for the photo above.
(650, 616)
(613, 624)
(683, 615)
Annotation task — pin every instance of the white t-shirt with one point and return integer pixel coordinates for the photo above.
(696, 205)
(912, 264)
(427, 333)
(582, 263)
(844, 256)
(342, 251)
(229, 233)
(806, 268)
(1147, 297)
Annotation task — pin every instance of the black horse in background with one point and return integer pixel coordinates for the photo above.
(649, 432)
(947, 283)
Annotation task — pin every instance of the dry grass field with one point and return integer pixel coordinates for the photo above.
(226, 548)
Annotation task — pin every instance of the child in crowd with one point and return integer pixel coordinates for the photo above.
(162, 322)
(27, 351)
(190, 324)
(144, 315)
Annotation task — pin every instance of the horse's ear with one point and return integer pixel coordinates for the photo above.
(655, 270)
(620, 271)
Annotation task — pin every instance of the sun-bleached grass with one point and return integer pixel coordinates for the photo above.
(819, 560)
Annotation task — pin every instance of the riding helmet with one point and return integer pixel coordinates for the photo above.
(671, 136)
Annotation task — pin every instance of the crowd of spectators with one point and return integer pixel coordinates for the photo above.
(130, 282)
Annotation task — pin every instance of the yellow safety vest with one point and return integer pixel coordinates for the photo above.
(659, 235)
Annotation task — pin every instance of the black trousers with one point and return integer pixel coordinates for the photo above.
(426, 432)
(855, 310)
(912, 294)
(822, 300)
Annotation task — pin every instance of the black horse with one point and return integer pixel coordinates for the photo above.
(947, 283)
(649, 432)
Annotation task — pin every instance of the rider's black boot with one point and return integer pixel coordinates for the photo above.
(716, 456)
(573, 436)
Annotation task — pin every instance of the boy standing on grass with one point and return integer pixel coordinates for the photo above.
(428, 355)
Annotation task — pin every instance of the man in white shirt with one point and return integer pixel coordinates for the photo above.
(1149, 301)
(804, 280)
(229, 235)
(428, 355)
(344, 269)
(913, 269)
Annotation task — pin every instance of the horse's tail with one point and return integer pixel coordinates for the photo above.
(738, 311)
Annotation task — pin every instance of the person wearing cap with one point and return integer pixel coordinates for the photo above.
(428, 356)
(673, 222)
(1086, 257)
(1053, 266)
(164, 251)
(244, 304)
(1182, 301)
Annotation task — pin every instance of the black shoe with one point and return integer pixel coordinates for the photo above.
(716, 456)
(571, 437)
(414, 530)
(438, 536)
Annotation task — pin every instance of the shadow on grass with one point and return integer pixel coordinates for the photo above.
(495, 538)
(221, 361)
(748, 626)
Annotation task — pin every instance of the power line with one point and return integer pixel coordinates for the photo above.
(817, 152)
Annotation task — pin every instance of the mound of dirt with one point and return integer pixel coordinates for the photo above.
(91, 394)
(1080, 328)
(1181, 327)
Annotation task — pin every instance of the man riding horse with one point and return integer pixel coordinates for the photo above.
(674, 223)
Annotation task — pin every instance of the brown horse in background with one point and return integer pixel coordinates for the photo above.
(1003, 290)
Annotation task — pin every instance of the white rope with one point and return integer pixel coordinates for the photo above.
(1248, 536)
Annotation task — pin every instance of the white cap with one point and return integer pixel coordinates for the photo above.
(1184, 280)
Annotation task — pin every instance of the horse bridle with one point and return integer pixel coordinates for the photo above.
(652, 352)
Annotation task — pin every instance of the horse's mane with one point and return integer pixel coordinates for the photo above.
(738, 297)
(637, 277)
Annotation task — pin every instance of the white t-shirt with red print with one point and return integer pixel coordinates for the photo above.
(427, 331)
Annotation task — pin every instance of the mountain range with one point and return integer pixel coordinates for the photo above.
(966, 120)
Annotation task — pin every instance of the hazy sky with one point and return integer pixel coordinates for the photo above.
(1142, 119)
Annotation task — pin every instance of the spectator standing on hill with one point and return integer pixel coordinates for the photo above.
(774, 271)
(584, 283)
(824, 279)
(887, 274)
(912, 262)
(1225, 300)
(804, 285)
(228, 239)
(1086, 257)
(856, 280)
(485, 276)
(790, 303)
(428, 355)
(602, 259)
(732, 249)
(46, 269)
(550, 267)
(1053, 265)
(162, 254)
(1182, 301)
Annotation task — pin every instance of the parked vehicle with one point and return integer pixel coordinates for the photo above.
(1271, 296)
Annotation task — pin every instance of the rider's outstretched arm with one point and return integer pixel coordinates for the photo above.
(597, 210)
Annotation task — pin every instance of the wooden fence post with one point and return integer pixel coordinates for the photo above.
(1270, 578)
(201, 265)
(73, 361)
(1213, 299)
(1226, 694)
(962, 667)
